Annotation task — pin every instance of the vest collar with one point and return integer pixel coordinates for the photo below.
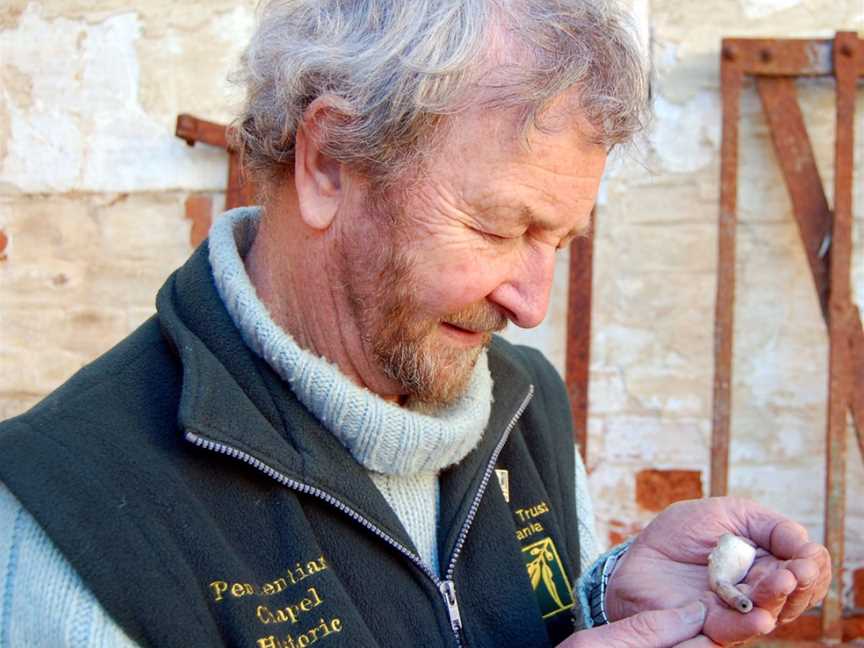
(381, 435)
(233, 402)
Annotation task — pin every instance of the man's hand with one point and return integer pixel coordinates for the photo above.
(656, 629)
(667, 567)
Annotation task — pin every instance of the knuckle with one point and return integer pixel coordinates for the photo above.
(738, 502)
(647, 624)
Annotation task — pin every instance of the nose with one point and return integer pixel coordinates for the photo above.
(524, 294)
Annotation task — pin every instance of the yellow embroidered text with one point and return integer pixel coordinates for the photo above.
(292, 576)
(528, 516)
(525, 514)
(289, 613)
(320, 631)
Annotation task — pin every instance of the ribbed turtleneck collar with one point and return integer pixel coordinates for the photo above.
(382, 436)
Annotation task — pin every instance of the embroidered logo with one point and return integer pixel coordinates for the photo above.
(504, 482)
(548, 580)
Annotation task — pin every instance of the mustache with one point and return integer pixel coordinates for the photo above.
(480, 318)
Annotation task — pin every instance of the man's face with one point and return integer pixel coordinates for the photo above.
(438, 266)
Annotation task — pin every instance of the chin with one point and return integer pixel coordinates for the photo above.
(434, 363)
(448, 377)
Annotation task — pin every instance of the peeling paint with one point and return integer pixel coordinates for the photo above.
(17, 86)
(756, 9)
(86, 129)
(5, 131)
(685, 137)
(45, 144)
(234, 26)
(11, 13)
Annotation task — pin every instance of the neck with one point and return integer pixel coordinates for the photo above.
(381, 436)
(295, 273)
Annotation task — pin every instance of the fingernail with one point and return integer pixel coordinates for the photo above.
(693, 614)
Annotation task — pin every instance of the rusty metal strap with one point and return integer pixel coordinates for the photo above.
(731, 78)
(840, 329)
(192, 129)
(579, 334)
(798, 163)
(785, 57)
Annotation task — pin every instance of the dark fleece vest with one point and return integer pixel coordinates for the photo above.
(203, 505)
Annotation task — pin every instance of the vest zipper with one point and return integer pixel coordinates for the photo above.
(448, 590)
(445, 586)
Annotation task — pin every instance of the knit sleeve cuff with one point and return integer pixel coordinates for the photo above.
(590, 590)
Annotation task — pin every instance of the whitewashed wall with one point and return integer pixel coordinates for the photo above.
(652, 365)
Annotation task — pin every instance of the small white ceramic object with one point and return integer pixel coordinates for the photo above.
(728, 564)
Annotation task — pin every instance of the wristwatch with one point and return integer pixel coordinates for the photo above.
(592, 587)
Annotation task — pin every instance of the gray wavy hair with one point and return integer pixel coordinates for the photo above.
(397, 69)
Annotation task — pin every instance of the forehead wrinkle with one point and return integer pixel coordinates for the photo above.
(557, 168)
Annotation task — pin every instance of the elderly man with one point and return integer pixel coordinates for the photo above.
(317, 438)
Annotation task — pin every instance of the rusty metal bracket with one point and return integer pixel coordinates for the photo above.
(840, 320)
(239, 191)
(192, 130)
(579, 333)
(810, 208)
(827, 240)
(731, 77)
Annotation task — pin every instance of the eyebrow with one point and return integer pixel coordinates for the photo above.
(528, 215)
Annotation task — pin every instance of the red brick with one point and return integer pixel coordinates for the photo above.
(807, 627)
(657, 489)
(620, 531)
(853, 628)
(616, 537)
(858, 588)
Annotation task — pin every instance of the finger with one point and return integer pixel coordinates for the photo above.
(818, 553)
(655, 629)
(806, 573)
(779, 535)
(772, 590)
(698, 642)
(769, 530)
(726, 626)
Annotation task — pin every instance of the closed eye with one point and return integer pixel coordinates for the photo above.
(496, 238)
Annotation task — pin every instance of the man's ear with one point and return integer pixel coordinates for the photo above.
(317, 176)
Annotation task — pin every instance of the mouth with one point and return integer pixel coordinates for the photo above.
(465, 335)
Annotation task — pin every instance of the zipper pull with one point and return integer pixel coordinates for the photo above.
(448, 590)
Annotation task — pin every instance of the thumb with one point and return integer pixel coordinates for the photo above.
(654, 629)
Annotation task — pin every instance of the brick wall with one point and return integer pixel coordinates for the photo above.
(93, 184)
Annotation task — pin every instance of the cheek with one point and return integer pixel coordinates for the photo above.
(450, 286)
